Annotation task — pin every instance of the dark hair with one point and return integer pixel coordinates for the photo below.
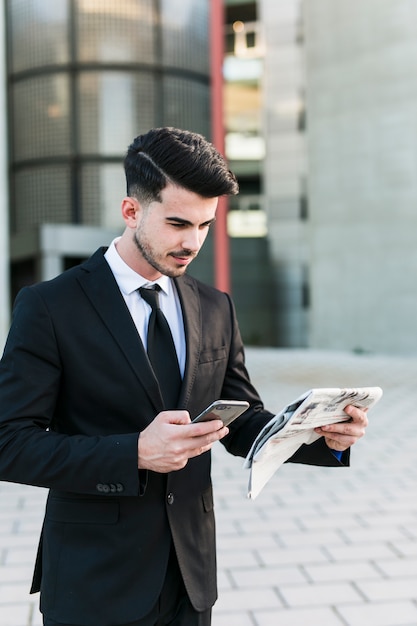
(183, 158)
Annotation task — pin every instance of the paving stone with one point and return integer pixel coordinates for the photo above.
(361, 552)
(236, 558)
(342, 571)
(21, 555)
(266, 577)
(265, 598)
(393, 589)
(13, 592)
(36, 618)
(15, 574)
(246, 542)
(398, 567)
(298, 617)
(320, 594)
(239, 618)
(310, 554)
(380, 614)
(15, 614)
(318, 537)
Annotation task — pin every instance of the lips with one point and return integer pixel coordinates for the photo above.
(182, 258)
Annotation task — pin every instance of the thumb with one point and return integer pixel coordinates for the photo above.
(176, 417)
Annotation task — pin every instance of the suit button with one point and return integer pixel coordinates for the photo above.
(106, 488)
(170, 498)
(119, 488)
(99, 487)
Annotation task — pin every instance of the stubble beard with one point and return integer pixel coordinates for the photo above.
(147, 253)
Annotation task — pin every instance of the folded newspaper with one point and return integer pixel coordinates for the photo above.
(295, 425)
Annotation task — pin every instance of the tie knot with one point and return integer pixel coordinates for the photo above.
(151, 295)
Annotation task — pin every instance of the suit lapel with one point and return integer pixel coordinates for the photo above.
(100, 287)
(190, 304)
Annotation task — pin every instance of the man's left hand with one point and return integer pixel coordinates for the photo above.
(342, 435)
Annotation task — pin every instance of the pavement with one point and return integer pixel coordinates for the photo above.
(319, 546)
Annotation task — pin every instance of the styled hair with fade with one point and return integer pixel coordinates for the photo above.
(180, 157)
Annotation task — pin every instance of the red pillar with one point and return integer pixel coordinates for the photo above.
(221, 239)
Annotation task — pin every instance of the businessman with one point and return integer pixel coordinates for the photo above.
(87, 410)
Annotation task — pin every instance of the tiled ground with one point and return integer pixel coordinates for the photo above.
(318, 547)
(325, 546)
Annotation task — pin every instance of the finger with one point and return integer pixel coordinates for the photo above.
(212, 437)
(175, 417)
(199, 451)
(351, 429)
(205, 443)
(357, 414)
(204, 428)
(343, 440)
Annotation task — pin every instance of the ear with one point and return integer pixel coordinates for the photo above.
(130, 211)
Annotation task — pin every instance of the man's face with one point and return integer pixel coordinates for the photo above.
(170, 233)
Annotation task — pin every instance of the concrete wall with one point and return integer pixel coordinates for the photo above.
(285, 165)
(362, 151)
(251, 286)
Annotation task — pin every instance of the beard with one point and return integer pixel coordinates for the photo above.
(157, 261)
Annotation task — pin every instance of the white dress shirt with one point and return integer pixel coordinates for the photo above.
(129, 282)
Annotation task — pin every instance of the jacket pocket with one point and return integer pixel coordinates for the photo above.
(214, 354)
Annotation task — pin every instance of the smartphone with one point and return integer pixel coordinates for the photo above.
(225, 410)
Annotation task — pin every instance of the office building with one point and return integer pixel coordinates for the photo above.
(319, 113)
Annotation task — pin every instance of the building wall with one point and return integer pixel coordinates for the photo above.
(285, 169)
(362, 151)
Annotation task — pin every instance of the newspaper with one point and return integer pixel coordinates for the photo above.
(295, 425)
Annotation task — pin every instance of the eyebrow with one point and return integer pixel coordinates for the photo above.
(180, 220)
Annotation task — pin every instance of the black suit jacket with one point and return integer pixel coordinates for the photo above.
(76, 388)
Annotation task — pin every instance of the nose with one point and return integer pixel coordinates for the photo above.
(193, 239)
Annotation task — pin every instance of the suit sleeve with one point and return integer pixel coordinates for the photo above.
(244, 430)
(30, 451)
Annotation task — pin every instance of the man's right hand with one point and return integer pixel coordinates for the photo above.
(171, 439)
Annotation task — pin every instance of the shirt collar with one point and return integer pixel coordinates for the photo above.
(127, 279)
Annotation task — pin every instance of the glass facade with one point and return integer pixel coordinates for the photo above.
(243, 110)
(184, 28)
(121, 31)
(41, 122)
(113, 107)
(42, 195)
(37, 34)
(85, 77)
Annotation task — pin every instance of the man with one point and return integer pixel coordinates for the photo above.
(128, 537)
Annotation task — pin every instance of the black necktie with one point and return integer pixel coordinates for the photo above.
(161, 350)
